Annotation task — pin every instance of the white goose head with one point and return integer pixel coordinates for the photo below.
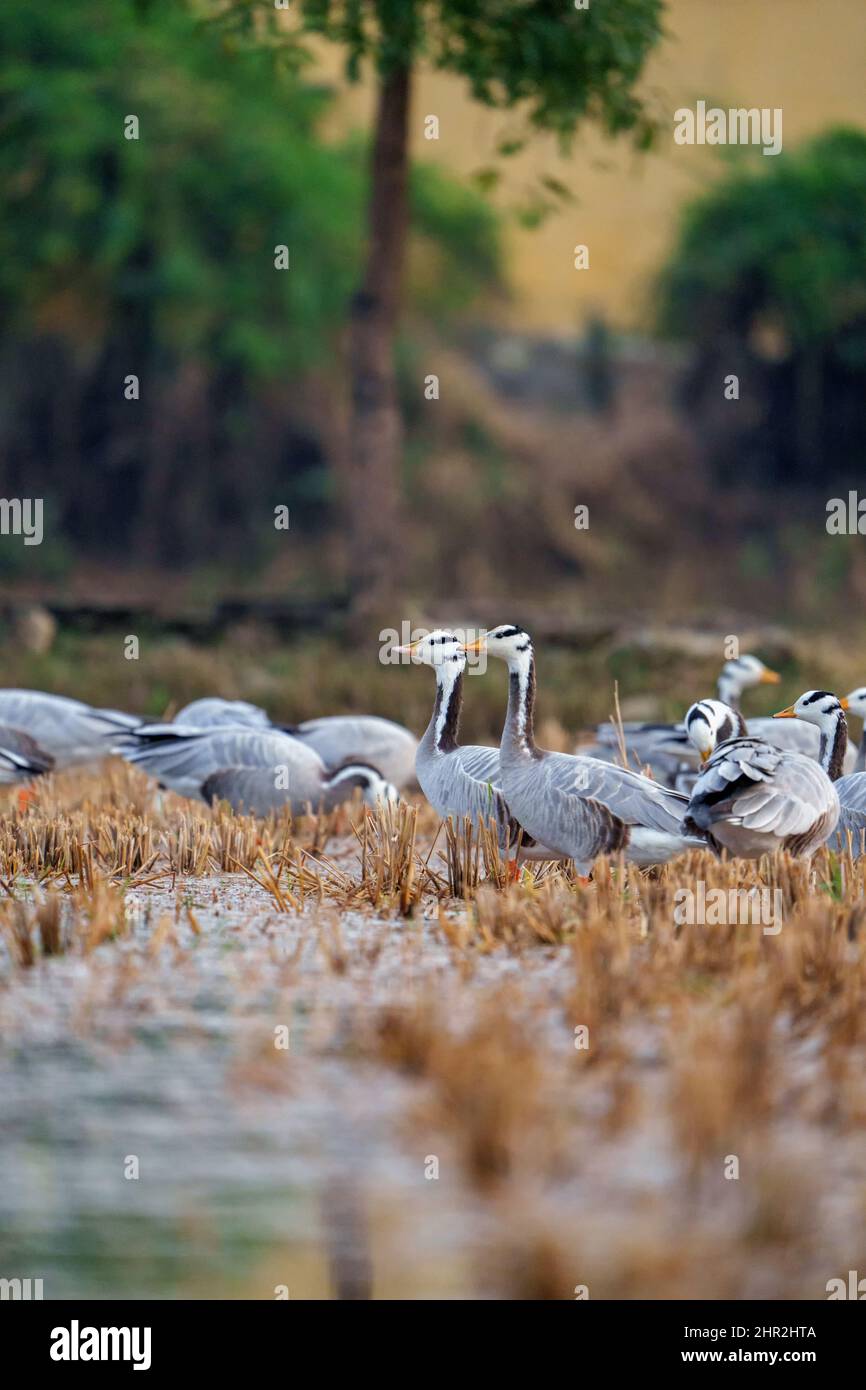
(375, 791)
(820, 707)
(508, 641)
(711, 722)
(855, 702)
(741, 674)
(441, 649)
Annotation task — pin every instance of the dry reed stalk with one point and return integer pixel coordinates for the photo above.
(462, 856)
(270, 883)
(390, 871)
(618, 727)
(16, 920)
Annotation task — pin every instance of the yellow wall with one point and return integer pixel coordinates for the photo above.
(806, 56)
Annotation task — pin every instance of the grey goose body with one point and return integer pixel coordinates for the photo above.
(255, 770)
(579, 805)
(337, 739)
(753, 797)
(67, 731)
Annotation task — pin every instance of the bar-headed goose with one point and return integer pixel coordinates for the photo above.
(827, 714)
(338, 739)
(578, 805)
(711, 722)
(462, 779)
(740, 674)
(66, 730)
(752, 797)
(667, 750)
(257, 771)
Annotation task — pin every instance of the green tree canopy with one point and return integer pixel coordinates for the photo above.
(768, 281)
(563, 63)
(783, 238)
(177, 229)
(155, 257)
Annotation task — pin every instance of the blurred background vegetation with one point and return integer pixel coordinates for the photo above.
(154, 257)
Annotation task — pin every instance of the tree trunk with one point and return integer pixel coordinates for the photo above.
(376, 431)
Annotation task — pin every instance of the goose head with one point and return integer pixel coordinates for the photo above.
(819, 707)
(855, 702)
(375, 791)
(508, 642)
(440, 649)
(742, 673)
(711, 722)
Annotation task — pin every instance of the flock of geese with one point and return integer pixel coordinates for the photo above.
(648, 791)
(744, 787)
(213, 748)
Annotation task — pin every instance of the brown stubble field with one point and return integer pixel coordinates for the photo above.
(350, 1060)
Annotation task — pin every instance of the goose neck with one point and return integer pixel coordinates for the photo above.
(444, 726)
(729, 693)
(518, 736)
(833, 746)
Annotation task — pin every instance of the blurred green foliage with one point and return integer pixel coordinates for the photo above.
(180, 225)
(784, 237)
(562, 63)
(156, 256)
(767, 280)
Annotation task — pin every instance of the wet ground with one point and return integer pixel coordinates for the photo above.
(224, 1102)
(255, 1162)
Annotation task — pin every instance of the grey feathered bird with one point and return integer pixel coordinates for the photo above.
(337, 739)
(578, 805)
(462, 779)
(65, 730)
(666, 748)
(256, 770)
(827, 714)
(752, 798)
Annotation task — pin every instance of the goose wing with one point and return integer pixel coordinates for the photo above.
(748, 782)
(479, 763)
(851, 791)
(21, 757)
(564, 779)
(339, 739)
(467, 782)
(184, 758)
(797, 736)
(68, 730)
(631, 797)
(212, 713)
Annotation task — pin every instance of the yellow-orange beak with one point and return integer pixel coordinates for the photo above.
(705, 754)
(473, 648)
(789, 713)
(844, 702)
(407, 648)
(769, 678)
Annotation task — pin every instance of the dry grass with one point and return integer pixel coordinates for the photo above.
(54, 924)
(588, 1068)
